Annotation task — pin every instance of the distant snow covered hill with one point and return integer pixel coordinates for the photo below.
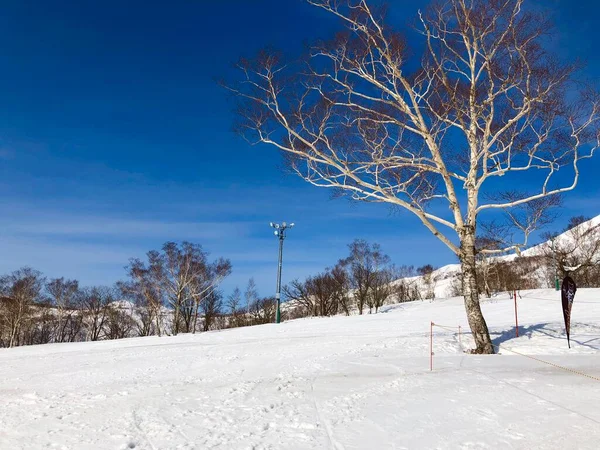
(444, 282)
(359, 382)
(564, 238)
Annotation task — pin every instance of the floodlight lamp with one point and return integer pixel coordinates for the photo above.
(271, 223)
(292, 225)
(277, 225)
(276, 233)
(284, 225)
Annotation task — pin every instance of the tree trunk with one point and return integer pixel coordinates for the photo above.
(196, 317)
(479, 329)
(13, 337)
(176, 315)
(158, 319)
(16, 328)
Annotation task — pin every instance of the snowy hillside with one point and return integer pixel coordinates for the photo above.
(360, 382)
(562, 238)
(444, 277)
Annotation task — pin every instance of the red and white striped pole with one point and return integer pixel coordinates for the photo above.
(516, 315)
(431, 347)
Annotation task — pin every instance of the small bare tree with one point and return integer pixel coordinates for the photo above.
(96, 305)
(20, 291)
(428, 280)
(204, 287)
(341, 285)
(382, 288)
(381, 284)
(317, 295)
(576, 251)
(361, 268)
(575, 221)
(299, 295)
(180, 268)
(211, 309)
(263, 310)
(405, 287)
(250, 295)
(485, 102)
(146, 288)
(237, 312)
(119, 323)
(63, 294)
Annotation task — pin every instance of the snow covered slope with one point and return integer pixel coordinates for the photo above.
(360, 382)
(443, 278)
(563, 238)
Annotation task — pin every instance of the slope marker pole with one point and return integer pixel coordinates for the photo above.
(516, 316)
(431, 346)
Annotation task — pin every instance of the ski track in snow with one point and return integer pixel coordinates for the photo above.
(338, 383)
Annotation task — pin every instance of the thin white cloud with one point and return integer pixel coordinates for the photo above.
(72, 225)
(87, 262)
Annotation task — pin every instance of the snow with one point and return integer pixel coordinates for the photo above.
(360, 382)
(444, 277)
(564, 238)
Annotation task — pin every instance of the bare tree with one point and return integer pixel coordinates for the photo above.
(341, 285)
(41, 326)
(180, 276)
(96, 305)
(234, 303)
(211, 308)
(299, 295)
(485, 101)
(382, 288)
(180, 268)
(318, 295)
(204, 287)
(405, 287)
(234, 300)
(63, 294)
(251, 294)
(73, 326)
(362, 265)
(263, 310)
(146, 288)
(576, 221)
(426, 273)
(576, 251)
(119, 322)
(20, 291)
(324, 290)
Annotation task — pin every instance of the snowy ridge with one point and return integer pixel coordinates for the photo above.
(359, 382)
(444, 277)
(564, 238)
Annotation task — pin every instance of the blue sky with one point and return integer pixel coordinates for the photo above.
(115, 138)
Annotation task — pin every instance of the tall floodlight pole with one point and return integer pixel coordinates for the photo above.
(280, 233)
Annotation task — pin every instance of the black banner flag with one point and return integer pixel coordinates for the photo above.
(568, 295)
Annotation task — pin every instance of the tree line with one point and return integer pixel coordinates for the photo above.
(174, 290)
(575, 251)
(363, 281)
